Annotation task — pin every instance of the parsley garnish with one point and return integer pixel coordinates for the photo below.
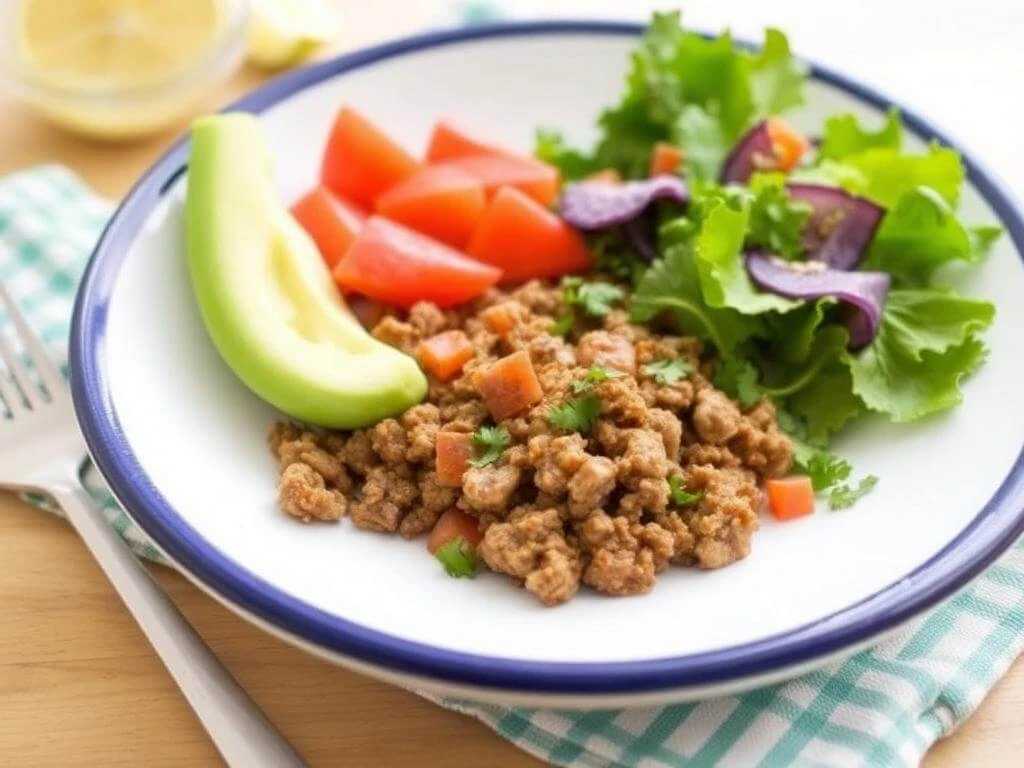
(595, 299)
(489, 443)
(579, 415)
(680, 496)
(844, 496)
(458, 558)
(825, 469)
(669, 371)
(595, 375)
(563, 325)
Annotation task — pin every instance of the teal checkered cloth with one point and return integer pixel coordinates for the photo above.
(883, 707)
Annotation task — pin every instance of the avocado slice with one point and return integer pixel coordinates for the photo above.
(267, 298)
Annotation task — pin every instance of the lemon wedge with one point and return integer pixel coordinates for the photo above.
(114, 44)
(284, 32)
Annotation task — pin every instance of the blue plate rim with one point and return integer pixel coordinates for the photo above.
(993, 530)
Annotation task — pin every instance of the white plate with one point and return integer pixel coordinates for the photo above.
(182, 442)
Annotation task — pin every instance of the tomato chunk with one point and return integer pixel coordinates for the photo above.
(790, 497)
(439, 201)
(789, 145)
(449, 141)
(396, 265)
(330, 221)
(526, 240)
(509, 386)
(360, 161)
(531, 177)
(665, 158)
(367, 311)
(453, 451)
(444, 354)
(454, 524)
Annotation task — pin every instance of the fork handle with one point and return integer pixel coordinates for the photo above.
(241, 732)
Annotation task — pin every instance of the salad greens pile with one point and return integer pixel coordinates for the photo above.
(704, 95)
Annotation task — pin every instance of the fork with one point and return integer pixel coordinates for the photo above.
(41, 450)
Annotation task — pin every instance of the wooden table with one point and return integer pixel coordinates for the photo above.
(80, 686)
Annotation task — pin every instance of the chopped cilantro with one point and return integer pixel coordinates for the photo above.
(458, 558)
(824, 468)
(563, 325)
(595, 299)
(844, 496)
(489, 442)
(680, 496)
(669, 371)
(595, 375)
(776, 222)
(579, 415)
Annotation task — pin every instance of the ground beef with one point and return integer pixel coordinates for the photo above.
(555, 508)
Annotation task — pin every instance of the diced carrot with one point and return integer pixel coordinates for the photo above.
(529, 175)
(526, 240)
(453, 451)
(790, 497)
(788, 144)
(509, 386)
(440, 201)
(501, 318)
(454, 524)
(444, 354)
(665, 158)
(605, 176)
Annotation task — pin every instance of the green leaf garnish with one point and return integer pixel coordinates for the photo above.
(777, 223)
(845, 496)
(679, 495)
(594, 375)
(579, 415)
(669, 371)
(595, 299)
(458, 558)
(489, 442)
(563, 324)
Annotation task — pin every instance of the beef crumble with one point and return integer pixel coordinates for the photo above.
(557, 509)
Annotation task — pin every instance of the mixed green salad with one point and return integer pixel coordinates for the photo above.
(822, 285)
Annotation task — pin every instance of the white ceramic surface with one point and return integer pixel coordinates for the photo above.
(200, 435)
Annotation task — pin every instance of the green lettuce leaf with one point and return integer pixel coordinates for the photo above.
(551, 147)
(925, 346)
(777, 223)
(776, 78)
(890, 174)
(827, 403)
(844, 136)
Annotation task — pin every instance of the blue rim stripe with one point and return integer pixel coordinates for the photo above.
(994, 529)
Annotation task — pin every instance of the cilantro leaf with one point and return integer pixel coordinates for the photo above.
(919, 235)
(776, 78)
(679, 496)
(596, 299)
(777, 223)
(738, 378)
(723, 274)
(563, 324)
(579, 415)
(458, 558)
(489, 443)
(844, 136)
(925, 345)
(824, 468)
(669, 371)
(595, 375)
(845, 496)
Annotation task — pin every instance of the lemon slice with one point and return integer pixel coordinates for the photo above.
(114, 44)
(284, 32)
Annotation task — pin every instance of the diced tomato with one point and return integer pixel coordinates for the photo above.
(509, 386)
(448, 142)
(454, 524)
(367, 311)
(453, 451)
(444, 354)
(605, 176)
(532, 177)
(330, 221)
(665, 158)
(526, 240)
(394, 264)
(439, 201)
(788, 144)
(790, 497)
(360, 161)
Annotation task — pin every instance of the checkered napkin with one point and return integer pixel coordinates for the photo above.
(883, 707)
